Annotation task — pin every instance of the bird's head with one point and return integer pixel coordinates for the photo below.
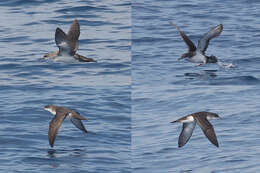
(212, 59)
(50, 108)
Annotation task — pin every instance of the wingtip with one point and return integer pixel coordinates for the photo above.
(51, 145)
(221, 26)
(180, 145)
(75, 21)
(58, 29)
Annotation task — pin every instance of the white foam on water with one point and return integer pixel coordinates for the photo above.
(224, 65)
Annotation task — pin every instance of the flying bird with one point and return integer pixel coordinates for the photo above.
(202, 119)
(68, 45)
(197, 54)
(60, 114)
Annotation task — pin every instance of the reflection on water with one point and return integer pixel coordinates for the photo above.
(51, 153)
(205, 75)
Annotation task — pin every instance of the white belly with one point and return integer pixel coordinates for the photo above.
(64, 58)
(198, 58)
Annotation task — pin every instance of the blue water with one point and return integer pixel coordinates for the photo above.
(99, 91)
(165, 89)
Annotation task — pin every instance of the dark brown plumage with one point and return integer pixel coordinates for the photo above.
(68, 44)
(60, 114)
(189, 123)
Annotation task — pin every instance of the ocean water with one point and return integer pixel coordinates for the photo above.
(99, 91)
(165, 89)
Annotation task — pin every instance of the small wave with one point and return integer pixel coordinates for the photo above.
(225, 65)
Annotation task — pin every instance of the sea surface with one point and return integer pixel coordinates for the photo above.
(165, 89)
(100, 91)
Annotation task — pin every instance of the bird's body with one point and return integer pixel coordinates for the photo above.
(197, 58)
